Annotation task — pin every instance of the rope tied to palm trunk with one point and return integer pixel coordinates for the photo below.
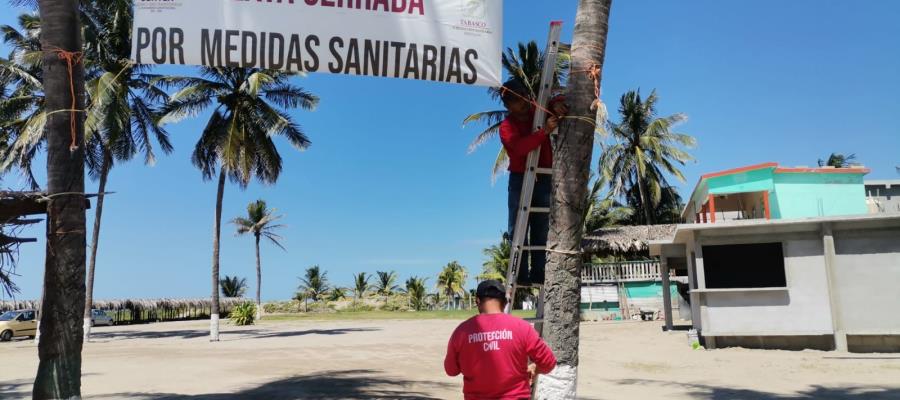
(71, 58)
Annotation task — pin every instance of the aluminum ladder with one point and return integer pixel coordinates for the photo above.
(517, 246)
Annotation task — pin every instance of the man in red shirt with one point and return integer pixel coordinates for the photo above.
(491, 350)
(519, 140)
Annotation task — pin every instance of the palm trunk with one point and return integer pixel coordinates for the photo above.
(258, 281)
(571, 170)
(59, 350)
(217, 233)
(646, 204)
(95, 238)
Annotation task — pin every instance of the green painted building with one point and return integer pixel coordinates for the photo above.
(769, 191)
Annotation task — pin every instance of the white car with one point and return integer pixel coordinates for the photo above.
(98, 317)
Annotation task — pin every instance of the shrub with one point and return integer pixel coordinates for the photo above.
(243, 314)
(358, 306)
(396, 303)
(282, 307)
(321, 307)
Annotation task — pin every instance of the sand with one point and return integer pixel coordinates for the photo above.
(403, 360)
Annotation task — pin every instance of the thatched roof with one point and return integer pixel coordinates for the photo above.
(625, 239)
(225, 302)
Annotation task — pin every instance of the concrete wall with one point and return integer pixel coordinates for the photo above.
(887, 197)
(868, 274)
(801, 309)
(820, 195)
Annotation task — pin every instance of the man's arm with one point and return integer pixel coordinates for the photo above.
(520, 145)
(539, 352)
(451, 360)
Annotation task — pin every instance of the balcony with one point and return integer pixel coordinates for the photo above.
(626, 271)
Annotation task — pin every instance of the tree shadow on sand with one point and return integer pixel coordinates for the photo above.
(710, 392)
(226, 335)
(328, 385)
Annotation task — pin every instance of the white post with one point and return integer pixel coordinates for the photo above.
(840, 336)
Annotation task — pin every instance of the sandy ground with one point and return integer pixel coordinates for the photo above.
(403, 360)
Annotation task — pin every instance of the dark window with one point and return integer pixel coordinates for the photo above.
(744, 266)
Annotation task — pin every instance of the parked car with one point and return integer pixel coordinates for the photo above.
(98, 317)
(17, 323)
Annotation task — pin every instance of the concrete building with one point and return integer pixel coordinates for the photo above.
(883, 196)
(819, 282)
(769, 191)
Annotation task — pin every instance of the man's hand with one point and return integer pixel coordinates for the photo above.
(552, 123)
(560, 109)
(532, 372)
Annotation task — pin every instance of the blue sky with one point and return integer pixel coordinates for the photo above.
(387, 183)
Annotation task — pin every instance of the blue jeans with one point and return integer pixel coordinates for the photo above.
(538, 226)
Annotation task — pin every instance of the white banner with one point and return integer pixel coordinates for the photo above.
(454, 41)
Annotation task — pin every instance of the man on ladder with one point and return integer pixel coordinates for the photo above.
(519, 140)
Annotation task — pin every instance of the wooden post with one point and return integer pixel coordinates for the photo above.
(766, 204)
(667, 292)
(712, 208)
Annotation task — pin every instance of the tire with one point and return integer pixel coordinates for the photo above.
(6, 336)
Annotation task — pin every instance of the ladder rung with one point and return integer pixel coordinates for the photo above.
(539, 209)
(533, 248)
(534, 320)
(545, 171)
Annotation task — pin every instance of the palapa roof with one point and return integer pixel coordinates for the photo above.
(626, 239)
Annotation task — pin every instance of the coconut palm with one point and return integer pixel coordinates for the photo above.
(59, 370)
(604, 210)
(496, 264)
(237, 141)
(337, 294)
(124, 114)
(22, 115)
(643, 150)
(232, 286)
(452, 281)
(260, 222)
(314, 283)
(360, 285)
(524, 63)
(571, 173)
(838, 160)
(386, 284)
(415, 289)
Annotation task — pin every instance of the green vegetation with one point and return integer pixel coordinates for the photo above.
(838, 160)
(244, 314)
(387, 283)
(386, 315)
(260, 222)
(451, 282)
(232, 286)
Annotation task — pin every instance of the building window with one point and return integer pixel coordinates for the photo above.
(758, 265)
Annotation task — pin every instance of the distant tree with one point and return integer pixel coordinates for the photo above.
(667, 210)
(496, 264)
(415, 289)
(387, 283)
(451, 281)
(260, 222)
(232, 286)
(337, 294)
(360, 285)
(838, 160)
(314, 284)
(604, 210)
(643, 150)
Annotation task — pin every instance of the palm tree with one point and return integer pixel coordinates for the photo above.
(452, 281)
(59, 350)
(571, 173)
(337, 294)
(124, 114)
(387, 283)
(232, 286)
(604, 211)
(360, 285)
(260, 222)
(643, 149)
(314, 284)
(237, 140)
(838, 160)
(524, 63)
(22, 111)
(496, 264)
(415, 289)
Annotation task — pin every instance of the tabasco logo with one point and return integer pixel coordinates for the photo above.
(474, 16)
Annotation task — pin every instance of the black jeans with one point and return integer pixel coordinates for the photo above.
(538, 226)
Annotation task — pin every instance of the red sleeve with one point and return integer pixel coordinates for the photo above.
(520, 145)
(451, 360)
(539, 352)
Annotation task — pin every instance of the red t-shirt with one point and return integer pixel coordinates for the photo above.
(518, 140)
(492, 353)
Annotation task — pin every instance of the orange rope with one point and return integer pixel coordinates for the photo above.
(504, 89)
(72, 58)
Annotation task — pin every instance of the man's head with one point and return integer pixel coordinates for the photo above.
(514, 95)
(491, 297)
